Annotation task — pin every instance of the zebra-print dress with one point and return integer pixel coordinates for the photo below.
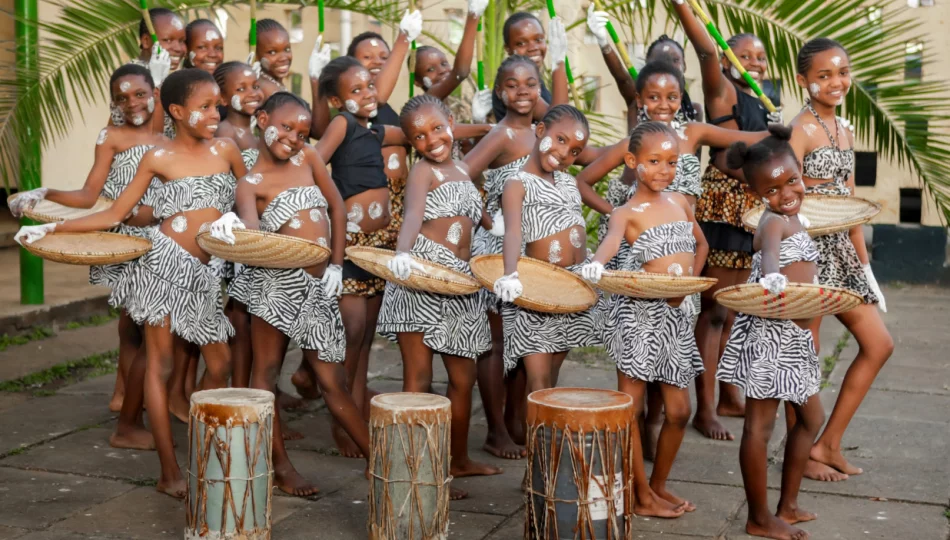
(170, 282)
(227, 270)
(290, 299)
(647, 338)
(549, 209)
(838, 264)
(121, 172)
(773, 358)
(455, 325)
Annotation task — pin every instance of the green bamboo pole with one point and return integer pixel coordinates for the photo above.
(616, 39)
(567, 65)
(27, 60)
(480, 55)
(252, 32)
(412, 58)
(143, 5)
(320, 7)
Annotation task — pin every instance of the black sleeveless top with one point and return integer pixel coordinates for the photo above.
(357, 165)
(748, 112)
(386, 116)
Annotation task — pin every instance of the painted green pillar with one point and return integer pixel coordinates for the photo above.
(27, 54)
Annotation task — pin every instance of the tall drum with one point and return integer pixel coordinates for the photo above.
(579, 456)
(409, 459)
(230, 473)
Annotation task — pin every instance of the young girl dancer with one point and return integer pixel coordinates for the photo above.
(241, 91)
(433, 73)
(442, 208)
(774, 359)
(731, 104)
(274, 56)
(827, 149)
(171, 290)
(652, 340)
(205, 45)
(161, 58)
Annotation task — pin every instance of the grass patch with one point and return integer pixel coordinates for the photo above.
(36, 334)
(828, 362)
(149, 482)
(97, 364)
(95, 320)
(946, 513)
(16, 451)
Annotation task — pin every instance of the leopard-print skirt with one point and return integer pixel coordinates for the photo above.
(356, 280)
(719, 211)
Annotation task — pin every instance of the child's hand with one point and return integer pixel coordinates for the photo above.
(27, 199)
(411, 24)
(159, 65)
(402, 265)
(319, 58)
(481, 105)
(333, 280)
(592, 272)
(497, 225)
(597, 22)
(775, 283)
(32, 233)
(509, 287)
(557, 43)
(477, 7)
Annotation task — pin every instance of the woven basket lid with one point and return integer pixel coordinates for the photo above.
(798, 301)
(547, 288)
(826, 214)
(649, 285)
(436, 278)
(51, 212)
(89, 248)
(265, 249)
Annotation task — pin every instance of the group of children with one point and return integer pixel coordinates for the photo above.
(229, 148)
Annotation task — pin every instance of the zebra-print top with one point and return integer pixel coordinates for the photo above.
(195, 193)
(687, 180)
(122, 171)
(451, 199)
(659, 241)
(796, 248)
(548, 208)
(287, 203)
(495, 183)
(249, 156)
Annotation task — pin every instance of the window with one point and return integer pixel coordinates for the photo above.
(296, 83)
(910, 205)
(913, 61)
(295, 18)
(920, 3)
(590, 92)
(865, 169)
(456, 20)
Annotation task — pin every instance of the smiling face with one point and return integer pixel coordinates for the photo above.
(519, 88)
(171, 36)
(526, 38)
(431, 67)
(430, 133)
(131, 95)
(273, 51)
(655, 161)
(198, 116)
(661, 96)
(828, 79)
(372, 53)
(751, 54)
(560, 144)
(241, 88)
(356, 93)
(292, 124)
(206, 48)
(779, 183)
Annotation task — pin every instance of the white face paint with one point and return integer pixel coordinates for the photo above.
(778, 171)
(454, 234)
(666, 145)
(103, 135)
(375, 210)
(810, 129)
(735, 73)
(191, 57)
(302, 117)
(373, 113)
(510, 133)
(661, 82)
(641, 170)
(255, 178)
(216, 90)
(449, 131)
(177, 24)
(374, 43)
(355, 215)
(248, 73)
(814, 89)
(393, 162)
(270, 135)
(351, 106)
(418, 121)
(124, 86)
(579, 135)
(150, 104)
(194, 118)
(504, 98)
(138, 120)
(265, 63)
(212, 35)
(426, 82)
(758, 43)
(836, 60)
(236, 102)
(666, 48)
(297, 159)
(545, 144)
(363, 75)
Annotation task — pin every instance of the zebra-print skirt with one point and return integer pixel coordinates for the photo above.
(455, 325)
(170, 282)
(652, 341)
(770, 359)
(109, 274)
(296, 303)
(486, 243)
(532, 332)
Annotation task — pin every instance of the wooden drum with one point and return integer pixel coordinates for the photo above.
(409, 459)
(230, 473)
(579, 456)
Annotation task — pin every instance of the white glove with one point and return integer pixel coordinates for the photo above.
(159, 64)
(481, 105)
(872, 283)
(255, 66)
(27, 199)
(803, 220)
(333, 280)
(775, 117)
(592, 272)
(353, 227)
(411, 24)
(223, 228)
(402, 265)
(477, 7)
(597, 22)
(319, 58)
(32, 233)
(557, 43)
(497, 225)
(509, 287)
(775, 283)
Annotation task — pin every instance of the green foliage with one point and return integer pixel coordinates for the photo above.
(97, 364)
(95, 320)
(35, 334)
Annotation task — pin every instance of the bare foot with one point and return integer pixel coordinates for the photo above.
(502, 446)
(456, 494)
(344, 444)
(174, 488)
(833, 459)
(795, 515)
(678, 502)
(287, 402)
(289, 434)
(774, 527)
(648, 438)
(709, 426)
(178, 407)
(133, 439)
(460, 469)
(733, 410)
(290, 482)
(651, 505)
(305, 385)
(115, 404)
(822, 472)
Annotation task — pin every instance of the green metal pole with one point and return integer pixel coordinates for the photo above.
(27, 54)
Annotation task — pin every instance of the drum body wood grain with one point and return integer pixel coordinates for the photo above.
(409, 460)
(230, 473)
(579, 484)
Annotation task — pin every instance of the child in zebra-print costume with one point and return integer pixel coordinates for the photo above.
(291, 184)
(772, 359)
(651, 340)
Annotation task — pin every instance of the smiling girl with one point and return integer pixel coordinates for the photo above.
(205, 45)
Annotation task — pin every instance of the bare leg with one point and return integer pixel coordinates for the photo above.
(158, 367)
(461, 381)
(240, 344)
(709, 332)
(332, 378)
(130, 431)
(539, 371)
(730, 397)
(361, 392)
(177, 402)
(353, 309)
(810, 416)
(516, 394)
(676, 402)
(130, 342)
(491, 386)
(653, 421)
(305, 381)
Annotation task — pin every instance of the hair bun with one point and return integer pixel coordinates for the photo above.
(780, 132)
(736, 155)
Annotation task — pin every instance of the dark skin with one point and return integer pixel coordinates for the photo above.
(189, 154)
(237, 125)
(832, 80)
(207, 45)
(779, 183)
(275, 55)
(527, 38)
(432, 65)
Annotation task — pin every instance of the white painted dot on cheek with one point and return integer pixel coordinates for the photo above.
(641, 170)
(449, 131)
(265, 63)
(236, 102)
(426, 82)
(150, 104)
(124, 86)
(270, 135)
(735, 73)
(352, 106)
(191, 56)
(545, 144)
(504, 98)
(194, 118)
(814, 89)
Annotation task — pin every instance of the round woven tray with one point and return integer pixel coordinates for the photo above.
(50, 212)
(648, 285)
(547, 288)
(265, 249)
(798, 301)
(436, 278)
(826, 214)
(89, 248)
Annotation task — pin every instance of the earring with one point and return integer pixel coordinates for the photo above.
(118, 119)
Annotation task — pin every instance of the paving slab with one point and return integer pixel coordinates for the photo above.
(93, 386)
(713, 505)
(44, 418)
(10, 399)
(888, 405)
(9, 533)
(36, 499)
(63, 535)
(66, 346)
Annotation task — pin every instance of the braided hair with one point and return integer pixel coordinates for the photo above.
(734, 40)
(351, 50)
(818, 45)
(648, 128)
(179, 86)
(510, 62)
(190, 30)
(329, 83)
(664, 39)
(222, 71)
(132, 69)
(412, 107)
(560, 112)
(279, 99)
(687, 110)
(750, 157)
(514, 19)
(268, 25)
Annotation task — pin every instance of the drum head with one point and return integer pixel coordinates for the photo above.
(409, 408)
(588, 408)
(826, 214)
(231, 406)
(797, 301)
(436, 278)
(265, 249)
(548, 288)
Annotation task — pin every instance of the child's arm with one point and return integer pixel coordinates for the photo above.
(485, 152)
(702, 134)
(591, 199)
(702, 246)
(335, 205)
(87, 195)
(592, 153)
(606, 162)
(714, 84)
(389, 74)
(245, 203)
(610, 245)
(394, 136)
(332, 138)
(512, 200)
(559, 92)
(463, 61)
(771, 233)
(417, 187)
(233, 155)
(319, 111)
(471, 131)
